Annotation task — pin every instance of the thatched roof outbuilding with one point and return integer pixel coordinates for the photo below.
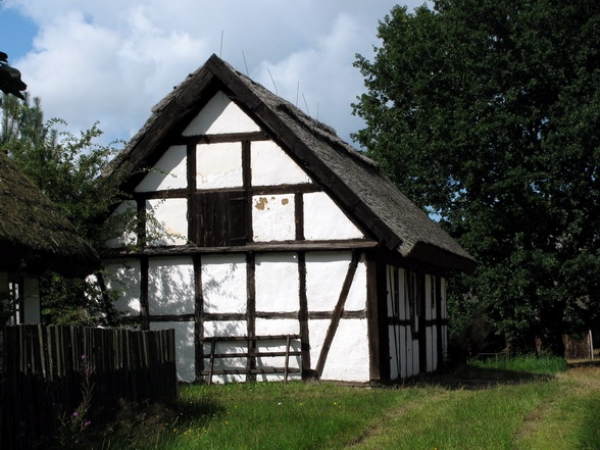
(354, 180)
(34, 235)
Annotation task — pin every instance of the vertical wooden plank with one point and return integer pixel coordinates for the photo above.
(421, 300)
(439, 322)
(251, 314)
(303, 317)
(247, 180)
(392, 316)
(299, 215)
(287, 358)
(212, 361)
(141, 222)
(42, 350)
(192, 207)
(375, 323)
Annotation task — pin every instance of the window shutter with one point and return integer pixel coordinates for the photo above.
(221, 219)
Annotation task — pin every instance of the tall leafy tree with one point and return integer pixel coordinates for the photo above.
(487, 114)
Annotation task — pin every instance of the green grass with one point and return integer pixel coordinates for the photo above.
(531, 404)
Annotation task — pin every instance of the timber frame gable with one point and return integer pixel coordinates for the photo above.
(273, 247)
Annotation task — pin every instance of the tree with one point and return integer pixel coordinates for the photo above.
(66, 168)
(486, 113)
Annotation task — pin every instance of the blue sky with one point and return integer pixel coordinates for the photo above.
(110, 61)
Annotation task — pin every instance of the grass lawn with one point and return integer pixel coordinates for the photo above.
(527, 403)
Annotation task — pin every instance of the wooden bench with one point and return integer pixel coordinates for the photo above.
(251, 354)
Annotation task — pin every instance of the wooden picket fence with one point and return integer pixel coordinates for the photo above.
(46, 370)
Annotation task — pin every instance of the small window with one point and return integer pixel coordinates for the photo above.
(13, 301)
(221, 220)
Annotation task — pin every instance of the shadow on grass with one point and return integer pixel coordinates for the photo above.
(145, 425)
(476, 378)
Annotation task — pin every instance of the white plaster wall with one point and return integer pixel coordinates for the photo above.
(219, 165)
(124, 276)
(273, 218)
(324, 220)
(273, 327)
(123, 221)
(271, 166)
(225, 328)
(171, 285)
(31, 300)
(184, 348)
(170, 172)
(348, 358)
(166, 221)
(220, 115)
(325, 275)
(276, 283)
(224, 283)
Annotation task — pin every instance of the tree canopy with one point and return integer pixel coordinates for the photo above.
(487, 114)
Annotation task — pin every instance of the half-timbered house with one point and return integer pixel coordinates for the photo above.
(34, 237)
(284, 251)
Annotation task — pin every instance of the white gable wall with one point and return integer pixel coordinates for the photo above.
(323, 219)
(123, 223)
(219, 116)
(167, 222)
(273, 218)
(168, 173)
(271, 166)
(219, 165)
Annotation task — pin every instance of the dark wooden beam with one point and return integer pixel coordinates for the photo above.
(303, 316)
(219, 138)
(198, 317)
(251, 313)
(287, 246)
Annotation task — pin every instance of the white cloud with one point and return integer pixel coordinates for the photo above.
(112, 60)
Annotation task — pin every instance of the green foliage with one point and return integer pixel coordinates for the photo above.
(485, 113)
(66, 168)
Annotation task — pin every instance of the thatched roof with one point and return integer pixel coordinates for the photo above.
(34, 235)
(352, 179)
